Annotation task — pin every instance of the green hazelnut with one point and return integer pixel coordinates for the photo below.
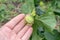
(29, 19)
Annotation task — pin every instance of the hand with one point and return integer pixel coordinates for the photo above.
(16, 29)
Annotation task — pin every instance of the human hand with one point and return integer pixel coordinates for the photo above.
(16, 29)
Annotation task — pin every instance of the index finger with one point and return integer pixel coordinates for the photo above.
(14, 21)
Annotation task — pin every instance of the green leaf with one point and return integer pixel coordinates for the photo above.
(48, 20)
(49, 36)
(2, 7)
(24, 7)
(57, 11)
(40, 31)
(28, 6)
(35, 36)
(58, 5)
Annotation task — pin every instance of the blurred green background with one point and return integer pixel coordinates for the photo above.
(8, 10)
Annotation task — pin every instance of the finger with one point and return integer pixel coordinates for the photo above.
(14, 21)
(5, 30)
(23, 31)
(19, 26)
(27, 34)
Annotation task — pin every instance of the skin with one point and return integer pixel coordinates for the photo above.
(16, 29)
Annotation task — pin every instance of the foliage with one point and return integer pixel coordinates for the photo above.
(46, 11)
(6, 10)
(46, 16)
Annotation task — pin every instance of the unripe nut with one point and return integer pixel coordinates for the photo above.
(29, 19)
